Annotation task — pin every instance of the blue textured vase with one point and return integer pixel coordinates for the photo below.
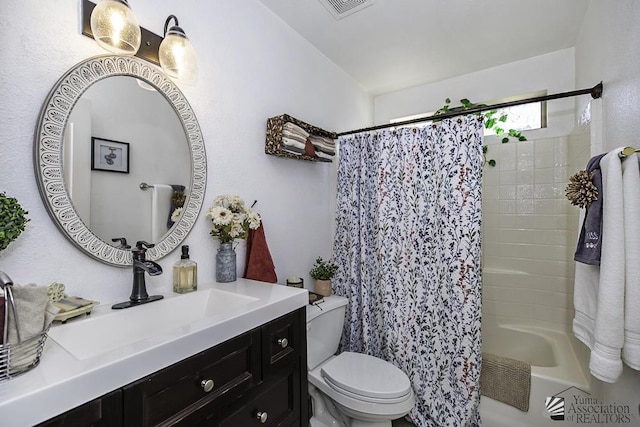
(226, 263)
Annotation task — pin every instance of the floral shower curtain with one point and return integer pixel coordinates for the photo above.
(408, 249)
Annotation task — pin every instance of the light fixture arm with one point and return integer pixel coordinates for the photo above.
(175, 30)
(166, 23)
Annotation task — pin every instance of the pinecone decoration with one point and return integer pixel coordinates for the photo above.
(178, 198)
(580, 190)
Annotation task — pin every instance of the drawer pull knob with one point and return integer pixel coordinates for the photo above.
(207, 385)
(283, 342)
(262, 417)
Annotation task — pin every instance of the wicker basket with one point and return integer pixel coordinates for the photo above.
(274, 136)
(16, 359)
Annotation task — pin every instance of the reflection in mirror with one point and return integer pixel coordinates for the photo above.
(122, 113)
(101, 134)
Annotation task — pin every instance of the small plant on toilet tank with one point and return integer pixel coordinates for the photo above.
(322, 272)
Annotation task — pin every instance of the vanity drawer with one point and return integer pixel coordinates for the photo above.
(277, 402)
(281, 342)
(167, 397)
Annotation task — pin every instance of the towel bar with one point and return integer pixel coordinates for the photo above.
(144, 186)
(627, 151)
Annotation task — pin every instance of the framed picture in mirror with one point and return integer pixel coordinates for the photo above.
(109, 155)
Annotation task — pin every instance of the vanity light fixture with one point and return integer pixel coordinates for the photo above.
(177, 56)
(174, 53)
(115, 27)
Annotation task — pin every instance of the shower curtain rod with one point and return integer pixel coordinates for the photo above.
(595, 92)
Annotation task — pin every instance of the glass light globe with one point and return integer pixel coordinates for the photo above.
(115, 27)
(178, 57)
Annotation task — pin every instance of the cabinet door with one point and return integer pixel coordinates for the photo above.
(106, 411)
(278, 359)
(277, 403)
(196, 386)
(281, 345)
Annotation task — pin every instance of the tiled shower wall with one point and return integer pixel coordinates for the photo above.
(530, 230)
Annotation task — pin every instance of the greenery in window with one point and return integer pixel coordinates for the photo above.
(491, 121)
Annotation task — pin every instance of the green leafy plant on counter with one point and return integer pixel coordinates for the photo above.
(491, 122)
(12, 220)
(323, 270)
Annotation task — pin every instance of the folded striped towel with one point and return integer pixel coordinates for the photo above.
(292, 127)
(325, 150)
(290, 149)
(322, 140)
(324, 155)
(322, 159)
(293, 135)
(322, 145)
(293, 143)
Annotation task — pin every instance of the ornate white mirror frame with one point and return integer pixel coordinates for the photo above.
(48, 155)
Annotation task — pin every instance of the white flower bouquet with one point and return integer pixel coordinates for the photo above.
(231, 219)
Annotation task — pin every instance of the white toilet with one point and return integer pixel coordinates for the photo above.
(350, 389)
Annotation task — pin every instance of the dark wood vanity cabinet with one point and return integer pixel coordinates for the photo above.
(105, 411)
(255, 379)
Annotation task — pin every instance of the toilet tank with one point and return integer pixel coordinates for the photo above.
(325, 320)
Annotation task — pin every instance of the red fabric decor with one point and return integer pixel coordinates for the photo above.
(309, 149)
(259, 262)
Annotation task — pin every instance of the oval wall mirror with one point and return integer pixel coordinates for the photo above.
(117, 151)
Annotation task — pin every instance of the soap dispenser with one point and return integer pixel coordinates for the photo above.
(185, 273)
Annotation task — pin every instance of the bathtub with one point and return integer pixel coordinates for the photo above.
(554, 368)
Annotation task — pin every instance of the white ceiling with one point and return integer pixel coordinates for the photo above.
(394, 44)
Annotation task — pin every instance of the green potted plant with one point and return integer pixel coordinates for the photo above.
(322, 272)
(12, 220)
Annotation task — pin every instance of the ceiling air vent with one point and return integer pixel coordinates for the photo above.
(341, 8)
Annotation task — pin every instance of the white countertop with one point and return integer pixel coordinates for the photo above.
(61, 381)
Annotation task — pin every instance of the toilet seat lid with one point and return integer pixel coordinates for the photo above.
(366, 376)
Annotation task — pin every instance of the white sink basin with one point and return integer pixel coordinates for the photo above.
(98, 334)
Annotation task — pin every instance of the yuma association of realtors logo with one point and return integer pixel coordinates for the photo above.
(555, 407)
(582, 408)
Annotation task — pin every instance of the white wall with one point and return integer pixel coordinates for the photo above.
(553, 72)
(608, 50)
(252, 66)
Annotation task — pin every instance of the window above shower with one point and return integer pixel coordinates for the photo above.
(520, 117)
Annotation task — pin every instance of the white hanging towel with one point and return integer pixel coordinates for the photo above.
(599, 292)
(160, 206)
(631, 190)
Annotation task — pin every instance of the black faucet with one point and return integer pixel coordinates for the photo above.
(141, 266)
